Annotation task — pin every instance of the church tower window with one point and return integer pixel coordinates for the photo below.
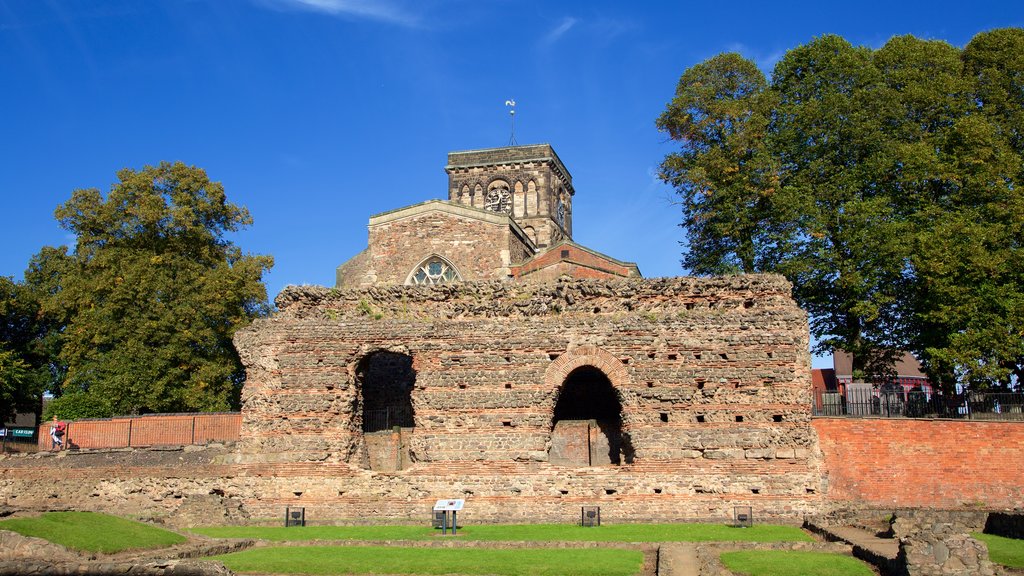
(434, 270)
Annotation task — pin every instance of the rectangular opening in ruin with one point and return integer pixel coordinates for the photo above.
(563, 492)
(657, 490)
(651, 355)
(664, 416)
(507, 385)
(748, 303)
(700, 384)
(701, 419)
(650, 384)
(673, 356)
(565, 254)
(624, 360)
(739, 418)
(777, 418)
(506, 423)
(771, 354)
(552, 355)
(755, 490)
(462, 386)
(610, 491)
(696, 356)
(723, 356)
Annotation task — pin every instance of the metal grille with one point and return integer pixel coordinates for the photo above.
(377, 420)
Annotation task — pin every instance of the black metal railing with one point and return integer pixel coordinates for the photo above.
(896, 402)
(387, 418)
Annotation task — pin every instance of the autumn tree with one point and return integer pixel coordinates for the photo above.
(151, 295)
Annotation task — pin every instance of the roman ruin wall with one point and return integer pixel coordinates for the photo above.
(698, 391)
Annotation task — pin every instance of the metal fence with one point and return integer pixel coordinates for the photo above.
(896, 402)
(387, 418)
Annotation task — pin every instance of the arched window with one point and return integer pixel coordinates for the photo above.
(518, 200)
(478, 197)
(531, 198)
(433, 270)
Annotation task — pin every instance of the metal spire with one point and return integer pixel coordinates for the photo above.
(512, 114)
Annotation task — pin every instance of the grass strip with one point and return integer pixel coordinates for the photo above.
(793, 563)
(92, 532)
(521, 533)
(397, 560)
(1001, 550)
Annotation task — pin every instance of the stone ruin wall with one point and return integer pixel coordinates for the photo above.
(712, 376)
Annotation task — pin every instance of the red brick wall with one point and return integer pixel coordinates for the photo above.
(578, 264)
(153, 430)
(936, 463)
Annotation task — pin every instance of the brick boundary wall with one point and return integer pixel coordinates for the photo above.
(149, 430)
(923, 463)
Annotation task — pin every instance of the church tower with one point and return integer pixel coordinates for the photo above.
(529, 183)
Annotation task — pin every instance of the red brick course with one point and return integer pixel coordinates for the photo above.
(933, 463)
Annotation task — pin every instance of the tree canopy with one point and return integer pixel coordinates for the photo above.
(885, 184)
(22, 366)
(148, 300)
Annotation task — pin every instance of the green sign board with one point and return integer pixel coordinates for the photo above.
(22, 432)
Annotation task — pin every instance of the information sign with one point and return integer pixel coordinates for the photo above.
(453, 505)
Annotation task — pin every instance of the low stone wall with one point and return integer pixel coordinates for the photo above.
(938, 543)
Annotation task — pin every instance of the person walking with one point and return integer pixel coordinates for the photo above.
(57, 429)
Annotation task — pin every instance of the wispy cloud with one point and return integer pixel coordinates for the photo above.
(558, 31)
(766, 61)
(379, 10)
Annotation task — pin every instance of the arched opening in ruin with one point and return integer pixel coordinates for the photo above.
(587, 422)
(385, 380)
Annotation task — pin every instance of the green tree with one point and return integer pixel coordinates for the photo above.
(722, 172)
(152, 294)
(23, 366)
(885, 184)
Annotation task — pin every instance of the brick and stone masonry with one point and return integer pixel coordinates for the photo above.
(663, 399)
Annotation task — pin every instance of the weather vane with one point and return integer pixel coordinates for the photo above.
(512, 114)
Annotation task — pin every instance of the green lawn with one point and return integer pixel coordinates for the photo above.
(793, 563)
(1005, 551)
(386, 560)
(91, 532)
(522, 532)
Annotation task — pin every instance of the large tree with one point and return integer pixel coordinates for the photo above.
(22, 366)
(885, 184)
(152, 294)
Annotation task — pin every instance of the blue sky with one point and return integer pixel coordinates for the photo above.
(316, 114)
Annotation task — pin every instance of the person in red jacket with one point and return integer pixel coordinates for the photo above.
(57, 429)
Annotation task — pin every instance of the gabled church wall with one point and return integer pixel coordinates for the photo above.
(477, 248)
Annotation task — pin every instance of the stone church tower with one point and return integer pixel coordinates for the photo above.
(508, 217)
(529, 183)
